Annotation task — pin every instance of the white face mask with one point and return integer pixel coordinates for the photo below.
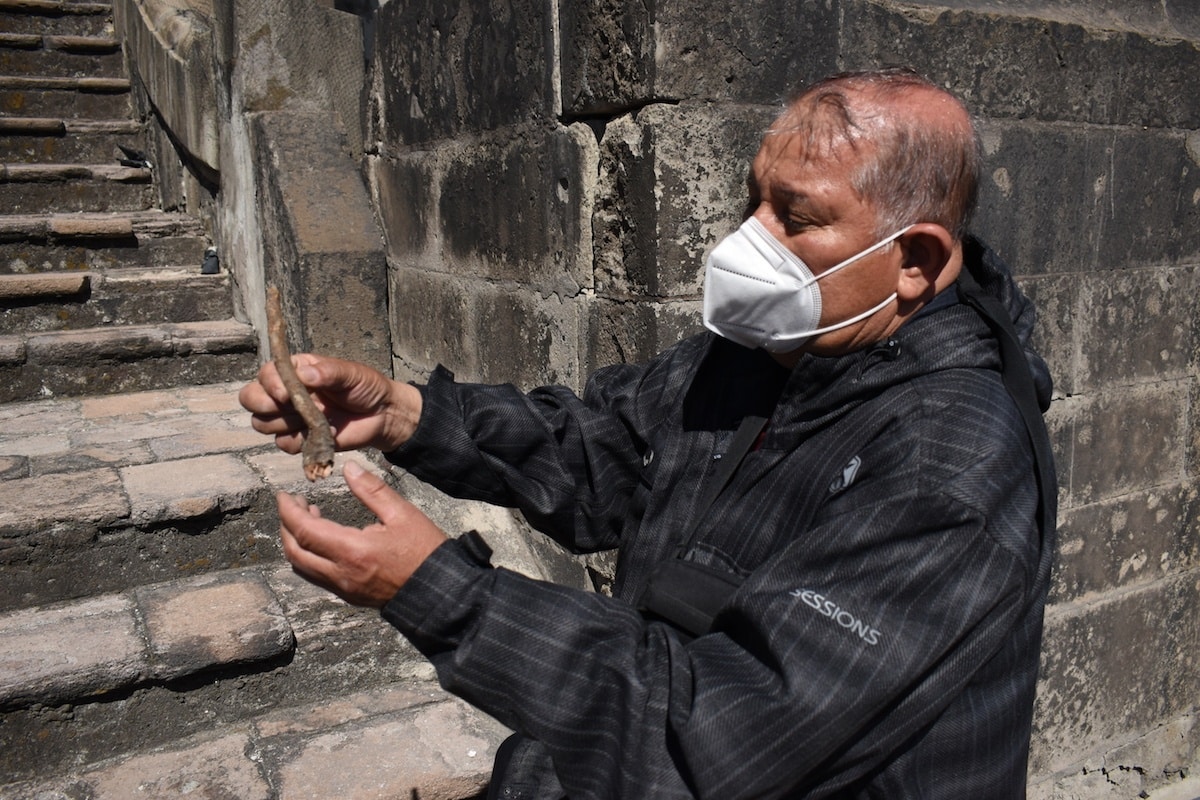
(760, 294)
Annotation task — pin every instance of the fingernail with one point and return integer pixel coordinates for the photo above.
(352, 469)
(307, 374)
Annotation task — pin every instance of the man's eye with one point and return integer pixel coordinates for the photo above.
(794, 225)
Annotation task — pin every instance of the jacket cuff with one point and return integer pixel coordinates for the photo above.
(411, 451)
(435, 606)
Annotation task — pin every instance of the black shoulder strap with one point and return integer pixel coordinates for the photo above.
(742, 442)
(1019, 382)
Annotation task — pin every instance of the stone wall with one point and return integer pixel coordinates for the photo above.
(550, 177)
(257, 108)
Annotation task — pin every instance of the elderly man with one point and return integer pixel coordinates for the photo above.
(834, 510)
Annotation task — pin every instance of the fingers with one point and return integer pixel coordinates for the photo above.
(384, 502)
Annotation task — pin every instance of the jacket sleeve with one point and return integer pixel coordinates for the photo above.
(568, 463)
(833, 653)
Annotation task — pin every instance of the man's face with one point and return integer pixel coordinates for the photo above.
(806, 201)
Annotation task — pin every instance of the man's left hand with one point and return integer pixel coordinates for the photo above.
(363, 567)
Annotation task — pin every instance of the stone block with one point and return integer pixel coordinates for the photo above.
(67, 652)
(713, 51)
(1076, 199)
(518, 209)
(215, 620)
(1056, 300)
(430, 313)
(672, 184)
(30, 505)
(1125, 541)
(1029, 68)
(219, 767)
(1113, 668)
(12, 350)
(449, 68)
(188, 488)
(1137, 327)
(515, 207)
(606, 55)
(321, 243)
(406, 196)
(447, 754)
(1113, 443)
(68, 347)
(631, 333)
(526, 340)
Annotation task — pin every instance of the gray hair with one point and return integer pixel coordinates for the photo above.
(912, 171)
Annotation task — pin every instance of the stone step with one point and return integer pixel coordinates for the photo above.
(71, 97)
(108, 644)
(52, 301)
(125, 358)
(30, 188)
(50, 55)
(59, 17)
(52, 140)
(101, 494)
(96, 241)
(404, 740)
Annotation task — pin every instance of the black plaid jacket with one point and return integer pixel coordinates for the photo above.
(884, 642)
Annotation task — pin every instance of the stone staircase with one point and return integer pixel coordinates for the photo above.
(152, 641)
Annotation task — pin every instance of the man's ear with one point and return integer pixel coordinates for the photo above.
(931, 262)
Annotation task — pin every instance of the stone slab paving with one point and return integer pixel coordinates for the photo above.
(77, 650)
(402, 741)
(139, 459)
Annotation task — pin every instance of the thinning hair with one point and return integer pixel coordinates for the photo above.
(912, 170)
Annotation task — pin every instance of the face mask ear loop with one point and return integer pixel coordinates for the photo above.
(856, 318)
(877, 246)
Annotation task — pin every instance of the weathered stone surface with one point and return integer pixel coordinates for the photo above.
(1126, 541)
(126, 343)
(210, 621)
(71, 651)
(712, 51)
(322, 237)
(517, 209)
(672, 184)
(429, 314)
(173, 50)
(630, 333)
(1140, 327)
(1148, 17)
(1062, 198)
(28, 505)
(1108, 444)
(1110, 667)
(191, 487)
(510, 208)
(1025, 67)
(450, 68)
(606, 55)
(526, 341)
(215, 769)
(29, 287)
(1056, 305)
(447, 754)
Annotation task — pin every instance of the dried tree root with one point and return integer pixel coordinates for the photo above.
(318, 446)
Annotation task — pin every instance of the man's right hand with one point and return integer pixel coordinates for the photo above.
(364, 406)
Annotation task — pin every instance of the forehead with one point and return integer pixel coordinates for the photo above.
(793, 162)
